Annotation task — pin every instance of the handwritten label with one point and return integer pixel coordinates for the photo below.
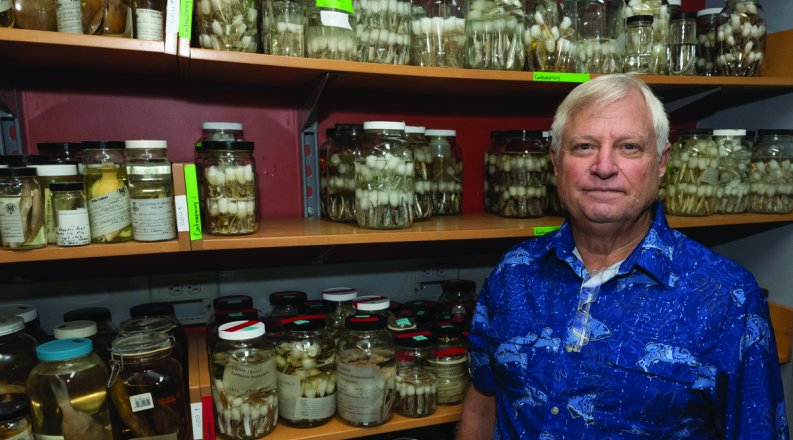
(153, 219)
(335, 19)
(186, 21)
(193, 201)
(109, 212)
(542, 230)
(561, 77)
(341, 5)
(182, 219)
(73, 227)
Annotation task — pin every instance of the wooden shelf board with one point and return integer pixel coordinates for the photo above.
(52, 252)
(680, 222)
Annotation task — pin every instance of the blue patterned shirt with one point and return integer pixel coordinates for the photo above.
(679, 345)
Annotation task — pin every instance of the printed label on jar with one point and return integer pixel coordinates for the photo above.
(109, 212)
(293, 406)
(26, 434)
(158, 437)
(335, 19)
(149, 24)
(359, 393)
(69, 16)
(141, 402)
(73, 227)
(710, 176)
(11, 228)
(5, 5)
(240, 378)
(153, 219)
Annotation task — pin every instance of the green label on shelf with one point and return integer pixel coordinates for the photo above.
(193, 201)
(185, 18)
(341, 5)
(561, 77)
(542, 230)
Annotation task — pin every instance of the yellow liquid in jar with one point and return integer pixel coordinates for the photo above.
(108, 180)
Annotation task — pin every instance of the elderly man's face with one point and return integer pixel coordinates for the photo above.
(608, 169)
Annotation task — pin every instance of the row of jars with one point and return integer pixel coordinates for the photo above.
(592, 36)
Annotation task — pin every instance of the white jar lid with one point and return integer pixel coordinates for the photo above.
(11, 324)
(729, 132)
(154, 145)
(709, 11)
(25, 311)
(675, 2)
(221, 126)
(49, 170)
(339, 294)
(383, 125)
(241, 330)
(371, 303)
(443, 133)
(75, 329)
(414, 129)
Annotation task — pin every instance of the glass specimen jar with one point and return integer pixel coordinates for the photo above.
(458, 300)
(7, 13)
(70, 214)
(771, 175)
(416, 381)
(707, 50)
(15, 417)
(146, 388)
(366, 372)
(107, 193)
(84, 329)
(244, 381)
(735, 160)
(683, 44)
(149, 19)
(422, 160)
(639, 44)
(373, 304)
(492, 186)
(48, 173)
(229, 179)
(402, 318)
(30, 314)
(494, 35)
(150, 190)
(220, 131)
(523, 175)
(113, 19)
(231, 25)
(340, 174)
(306, 359)
(69, 16)
(451, 363)
(17, 354)
(383, 31)
(224, 317)
(438, 33)
(286, 31)
(741, 38)
(599, 28)
(692, 175)
(38, 15)
(447, 172)
(341, 298)
(159, 324)
(657, 44)
(67, 391)
(22, 214)
(330, 31)
(384, 178)
(106, 329)
(283, 304)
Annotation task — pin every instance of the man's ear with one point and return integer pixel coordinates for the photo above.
(663, 160)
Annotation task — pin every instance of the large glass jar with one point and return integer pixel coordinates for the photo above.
(707, 51)
(71, 224)
(771, 175)
(447, 172)
(549, 38)
(422, 159)
(306, 359)
(383, 31)
(287, 24)
(49, 173)
(331, 30)
(107, 192)
(366, 372)
(150, 190)
(340, 194)
(244, 381)
(600, 24)
(168, 325)
(17, 354)
(639, 44)
(657, 42)
(416, 380)
(523, 174)
(458, 299)
(224, 317)
(67, 391)
(231, 25)
(492, 187)
(438, 28)
(735, 159)
(146, 388)
(692, 175)
(741, 38)
(229, 178)
(384, 178)
(22, 217)
(15, 417)
(451, 363)
(683, 44)
(494, 34)
(342, 298)
(283, 304)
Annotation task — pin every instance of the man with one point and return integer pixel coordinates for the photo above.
(615, 326)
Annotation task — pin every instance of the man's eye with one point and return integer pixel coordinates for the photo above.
(632, 148)
(582, 147)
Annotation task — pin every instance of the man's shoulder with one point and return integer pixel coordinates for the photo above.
(692, 258)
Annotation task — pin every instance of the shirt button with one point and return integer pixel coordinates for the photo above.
(568, 348)
(554, 410)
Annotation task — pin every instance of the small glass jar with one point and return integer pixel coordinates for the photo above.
(599, 28)
(523, 174)
(67, 391)
(422, 160)
(735, 160)
(244, 381)
(229, 179)
(15, 417)
(438, 34)
(692, 176)
(146, 388)
(340, 175)
(771, 175)
(69, 16)
(331, 31)
(286, 30)
(22, 215)
(683, 44)
(224, 317)
(639, 44)
(231, 26)
(741, 36)
(383, 31)
(283, 304)
(657, 43)
(150, 190)
(458, 299)
(149, 19)
(37, 15)
(220, 131)
(707, 50)
(71, 224)
(17, 354)
(384, 174)
(342, 298)
(416, 380)
(84, 329)
(366, 372)
(306, 359)
(115, 19)
(451, 364)
(494, 35)
(492, 186)
(107, 193)
(447, 172)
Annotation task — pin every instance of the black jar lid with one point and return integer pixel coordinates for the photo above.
(640, 19)
(152, 309)
(523, 134)
(695, 131)
(226, 316)
(330, 132)
(415, 339)
(17, 172)
(288, 298)
(774, 132)
(13, 406)
(423, 304)
(316, 306)
(60, 147)
(458, 286)
(24, 160)
(446, 327)
(96, 314)
(232, 302)
(104, 145)
(683, 16)
(66, 186)
(365, 321)
(304, 323)
(227, 145)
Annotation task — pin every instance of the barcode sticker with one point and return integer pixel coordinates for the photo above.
(141, 402)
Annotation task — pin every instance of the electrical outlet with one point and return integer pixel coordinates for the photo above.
(191, 294)
(424, 281)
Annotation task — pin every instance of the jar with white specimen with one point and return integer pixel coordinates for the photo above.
(707, 49)
(492, 186)
(244, 381)
(416, 381)
(659, 10)
(438, 33)
(599, 26)
(523, 173)
(735, 160)
(229, 179)
(384, 174)
(22, 216)
(340, 172)
(366, 372)
(342, 298)
(638, 45)
(550, 37)
(494, 34)
(554, 204)
(771, 175)
(330, 30)
(227, 25)
(447, 172)
(692, 175)
(422, 159)
(741, 38)
(450, 362)
(287, 23)
(383, 31)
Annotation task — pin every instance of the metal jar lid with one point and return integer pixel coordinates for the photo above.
(75, 329)
(141, 344)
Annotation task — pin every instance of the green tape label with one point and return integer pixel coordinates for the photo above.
(185, 18)
(419, 338)
(301, 322)
(561, 77)
(542, 230)
(193, 202)
(403, 321)
(342, 5)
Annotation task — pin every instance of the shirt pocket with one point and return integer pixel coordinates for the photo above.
(519, 364)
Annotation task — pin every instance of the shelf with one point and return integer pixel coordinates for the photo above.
(51, 252)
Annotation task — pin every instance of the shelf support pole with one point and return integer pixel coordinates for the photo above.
(309, 144)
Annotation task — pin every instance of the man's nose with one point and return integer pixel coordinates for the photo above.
(605, 165)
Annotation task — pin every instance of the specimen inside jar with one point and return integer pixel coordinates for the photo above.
(493, 35)
(366, 386)
(231, 199)
(384, 191)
